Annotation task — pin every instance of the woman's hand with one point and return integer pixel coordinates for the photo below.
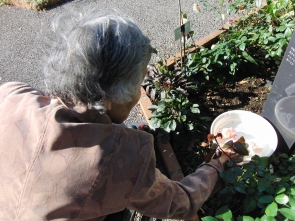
(229, 154)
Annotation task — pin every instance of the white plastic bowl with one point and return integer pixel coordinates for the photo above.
(253, 127)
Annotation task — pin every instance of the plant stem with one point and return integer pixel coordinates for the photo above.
(180, 22)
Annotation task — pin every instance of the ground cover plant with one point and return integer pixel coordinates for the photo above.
(235, 73)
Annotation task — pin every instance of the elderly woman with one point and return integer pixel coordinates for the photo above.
(62, 156)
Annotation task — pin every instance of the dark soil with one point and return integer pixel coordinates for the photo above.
(245, 94)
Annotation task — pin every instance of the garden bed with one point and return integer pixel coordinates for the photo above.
(249, 94)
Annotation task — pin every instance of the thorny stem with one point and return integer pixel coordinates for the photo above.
(225, 152)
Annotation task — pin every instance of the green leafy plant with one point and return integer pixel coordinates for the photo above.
(172, 109)
(249, 45)
(254, 191)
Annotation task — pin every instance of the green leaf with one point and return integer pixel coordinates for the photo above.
(292, 202)
(241, 149)
(272, 209)
(226, 194)
(249, 58)
(266, 199)
(161, 107)
(240, 187)
(195, 109)
(255, 37)
(251, 190)
(280, 190)
(245, 218)
(271, 190)
(282, 28)
(263, 185)
(183, 118)
(238, 171)
(282, 42)
(228, 176)
(280, 35)
(242, 46)
(265, 41)
(267, 218)
(152, 107)
(284, 3)
(282, 199)
(209, 218)
(263, 161)
(183, 15)
(292, 191)
(288, 213)
(224, 213)
(190, 126)
(166, 124)
(156, 123)
(249, 204)
(272, 39)
(288, 33)
(172, 126)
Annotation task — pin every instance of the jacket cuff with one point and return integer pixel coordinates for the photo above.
(215, 163)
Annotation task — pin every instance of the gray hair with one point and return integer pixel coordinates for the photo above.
(98, 56)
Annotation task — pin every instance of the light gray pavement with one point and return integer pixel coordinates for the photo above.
(22, 31)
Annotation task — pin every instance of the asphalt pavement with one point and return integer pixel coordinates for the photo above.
(22, 32)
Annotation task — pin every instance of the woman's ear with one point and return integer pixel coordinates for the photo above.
(108, 105)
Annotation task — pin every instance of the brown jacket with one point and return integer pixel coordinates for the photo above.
(54, 166)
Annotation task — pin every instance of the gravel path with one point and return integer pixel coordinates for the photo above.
(22, 30)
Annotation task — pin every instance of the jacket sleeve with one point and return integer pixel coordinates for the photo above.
(157, 196)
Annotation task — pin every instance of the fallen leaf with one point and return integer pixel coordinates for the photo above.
(203, 144)
(243, 82)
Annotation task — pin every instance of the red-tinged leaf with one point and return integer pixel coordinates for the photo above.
(219, 135)
(210, 137)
